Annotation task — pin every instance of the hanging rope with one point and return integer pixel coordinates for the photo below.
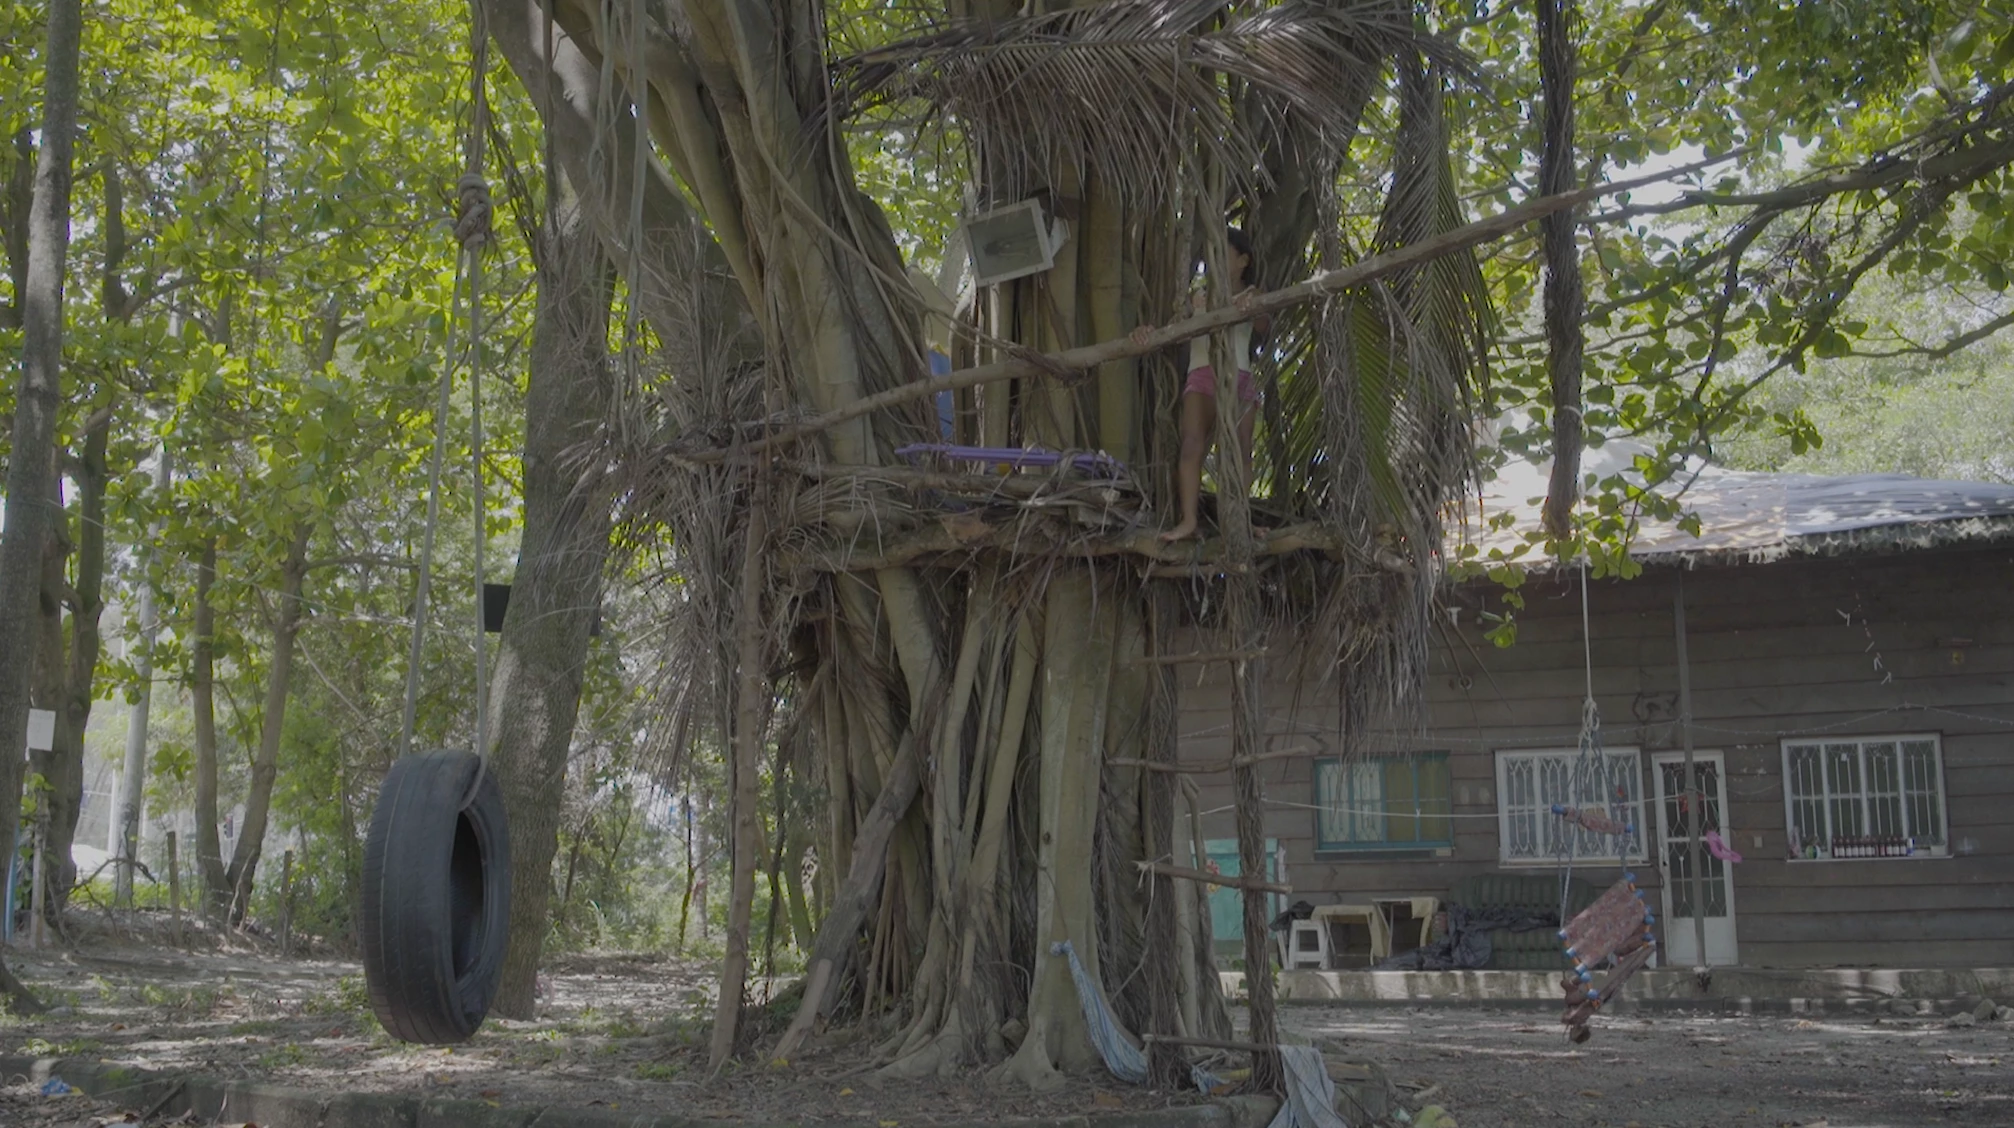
(473, 232)
(1593, 777)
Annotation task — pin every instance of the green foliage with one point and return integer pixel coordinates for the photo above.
(1723, 314)
(285, 179)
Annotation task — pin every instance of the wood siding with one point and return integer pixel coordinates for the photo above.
(1777, 650)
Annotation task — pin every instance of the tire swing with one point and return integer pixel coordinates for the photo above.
(436, 879)
(436, 895)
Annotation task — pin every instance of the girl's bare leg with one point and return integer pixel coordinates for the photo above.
(1199, 424)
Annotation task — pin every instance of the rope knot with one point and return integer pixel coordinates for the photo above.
(472, 223)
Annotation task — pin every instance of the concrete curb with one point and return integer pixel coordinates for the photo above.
(1733, 990)
(215, 1100)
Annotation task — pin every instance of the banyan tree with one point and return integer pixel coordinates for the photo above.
(971, 673)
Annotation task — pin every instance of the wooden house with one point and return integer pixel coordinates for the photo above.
(1849, 647)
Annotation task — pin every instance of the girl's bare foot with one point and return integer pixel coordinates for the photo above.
(1181, 532)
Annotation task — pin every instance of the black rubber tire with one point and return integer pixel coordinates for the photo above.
(436, 904)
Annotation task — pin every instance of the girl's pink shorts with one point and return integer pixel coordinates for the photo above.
(1203, 381)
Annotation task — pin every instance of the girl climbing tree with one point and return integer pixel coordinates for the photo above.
(1199, 394)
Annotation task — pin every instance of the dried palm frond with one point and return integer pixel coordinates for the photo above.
(1380, 393)
(1128, 89)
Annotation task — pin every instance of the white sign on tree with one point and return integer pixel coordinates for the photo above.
(41, 730)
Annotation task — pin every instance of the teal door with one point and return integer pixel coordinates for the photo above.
(1227, 911)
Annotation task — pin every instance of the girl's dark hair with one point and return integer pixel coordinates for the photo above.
(1242, 244)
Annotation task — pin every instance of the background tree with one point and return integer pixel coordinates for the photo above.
(31, 470)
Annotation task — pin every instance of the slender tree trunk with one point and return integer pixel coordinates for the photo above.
(1241, 599)
(272, 727)
(203, 707)
(31, 467)
(557, 591)
(133, 773)
(74, 666)
(20, 200)
(46, 765)
(244, 866)
(572, 869)
(801, 928)
(751, 714)
(117, 306)
(691, 874)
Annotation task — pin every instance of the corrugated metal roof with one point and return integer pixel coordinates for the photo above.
(1761, 515)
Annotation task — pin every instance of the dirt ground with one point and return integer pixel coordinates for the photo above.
(629, 1032)
(622, 1031)
(1504, 1068)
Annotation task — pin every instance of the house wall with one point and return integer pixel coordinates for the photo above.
(1783, 648)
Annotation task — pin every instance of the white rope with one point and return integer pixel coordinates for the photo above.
(1591, 770)
(472, 234)
(473, 242)
(424, 583)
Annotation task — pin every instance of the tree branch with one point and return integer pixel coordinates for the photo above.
(1247, 308)
(371, 559)
(1968, 161)
(1956, 344)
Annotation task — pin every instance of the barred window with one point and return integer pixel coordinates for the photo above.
(1865, 797)
(1530, 782)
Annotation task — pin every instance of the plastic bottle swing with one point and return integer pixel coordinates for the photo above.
(436, 874)
(1616, 930)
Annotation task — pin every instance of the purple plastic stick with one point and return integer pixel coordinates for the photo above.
(1094, 461)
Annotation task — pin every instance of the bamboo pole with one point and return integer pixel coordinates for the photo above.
(286, 902)
(1688, 787)
(1209, 767)
(41, 887)
(174, 888)
(1228, 881)
(1199, 657)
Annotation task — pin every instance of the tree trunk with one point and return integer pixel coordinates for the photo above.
(802, 931)
(117, 306)
(691, 874)
(1565, 299)
(1074, 703)
(751, 716)
(75, 685)
(31, 466)
(996, 696)
(133, 773)
(600, 165)
(272, 726)
(15, 206)
(203, 707)
(555, 597)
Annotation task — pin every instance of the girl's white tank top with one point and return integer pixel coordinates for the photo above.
(1241, 347)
